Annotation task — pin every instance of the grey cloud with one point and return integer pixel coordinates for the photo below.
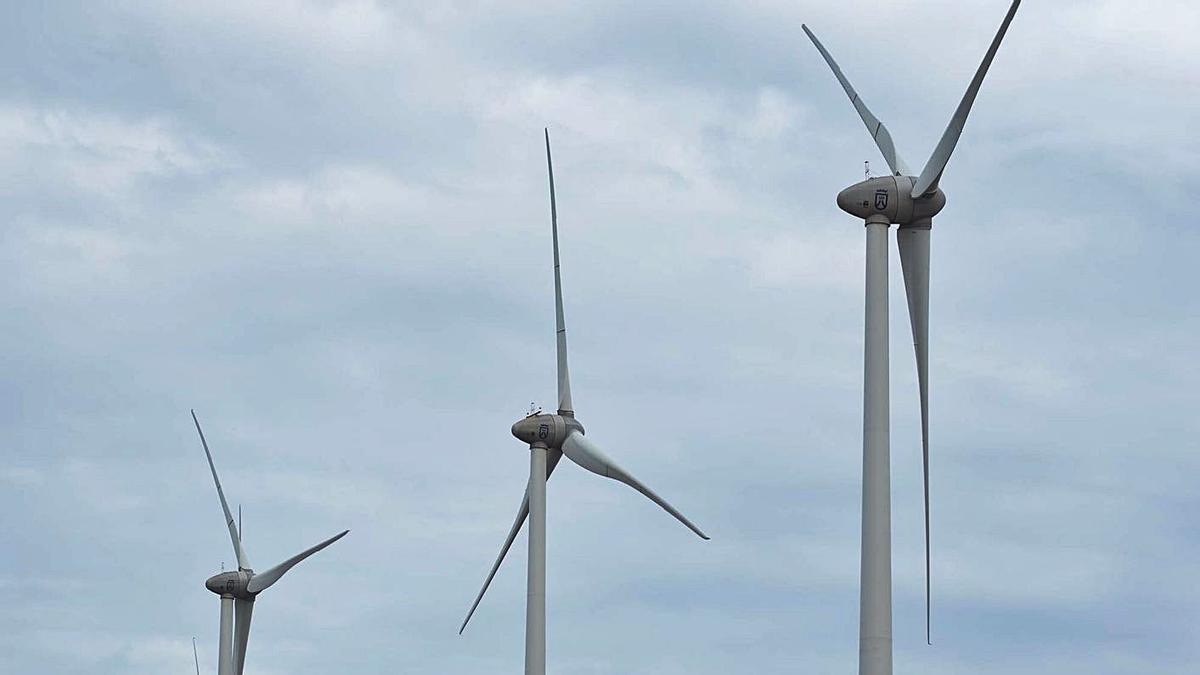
(325, 228)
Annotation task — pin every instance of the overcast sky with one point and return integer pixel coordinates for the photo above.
(325, 227)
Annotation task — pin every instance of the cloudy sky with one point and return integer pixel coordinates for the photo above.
(324, 226)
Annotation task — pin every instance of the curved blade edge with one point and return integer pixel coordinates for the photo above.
(261, 582)
(560, 325)
(932, 173)
(913, 242)
(879, 132)
(522, 514)
(234, 535)
(581, 450)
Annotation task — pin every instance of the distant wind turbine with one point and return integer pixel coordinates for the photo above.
(549, 438)
(239, 589)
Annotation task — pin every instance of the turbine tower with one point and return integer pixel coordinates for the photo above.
(909, 201)
(549, 438)
(239, 589)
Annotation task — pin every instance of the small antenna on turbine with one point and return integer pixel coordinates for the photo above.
(867, 168)
(534, 409)
(240, 521)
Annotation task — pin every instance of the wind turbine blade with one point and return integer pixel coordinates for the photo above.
(883, 139)
(261, 582)
(196, 655)
(243, 610)
(581, 450)
(914, 259)
(560, 325)
(932, 172)
(551, 461)
(243, 563)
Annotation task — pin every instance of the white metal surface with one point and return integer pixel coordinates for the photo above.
(875, 600)
(243, 611)
(913, 242)
(878, 131)
(932, 173)
(535, 600)
(225, 644)
(565, 406)
(584, 452)
(243, 562)
(522, 513)
(261, 582)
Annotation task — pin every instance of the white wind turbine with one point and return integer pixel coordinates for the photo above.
(239, 589)
(910, 202)
(549, 438)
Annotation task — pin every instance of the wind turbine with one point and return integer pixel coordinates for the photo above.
(910, 202)
(549, 438)
(239, 589)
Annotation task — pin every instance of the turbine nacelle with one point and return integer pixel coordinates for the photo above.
(891, 198)
(547, 430)
(231, 583)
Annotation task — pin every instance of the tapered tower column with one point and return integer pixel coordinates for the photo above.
(225, 648)
(875, 602)
(535, 601)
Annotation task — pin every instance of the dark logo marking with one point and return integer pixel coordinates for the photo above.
(881, 200)
(543, 431)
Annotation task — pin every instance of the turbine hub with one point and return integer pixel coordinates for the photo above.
(231, 583)
(548, 430)
(890, 197)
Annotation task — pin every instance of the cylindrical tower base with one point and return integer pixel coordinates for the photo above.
(875, 601)
(535, 601)
(225, 650)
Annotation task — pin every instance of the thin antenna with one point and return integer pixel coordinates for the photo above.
(867, 168)
(239, 521)
(195, 655)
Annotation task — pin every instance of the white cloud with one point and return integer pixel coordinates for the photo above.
(97, 153)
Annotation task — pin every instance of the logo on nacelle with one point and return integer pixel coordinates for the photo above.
(881, 200)
(543, 431)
